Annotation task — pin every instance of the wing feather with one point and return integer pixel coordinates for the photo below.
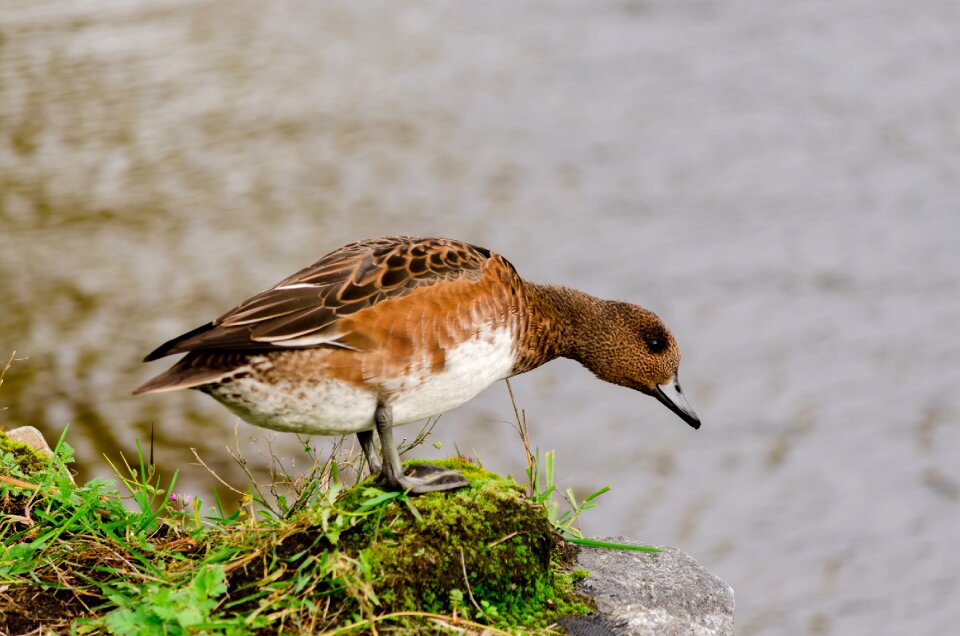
(305, 309)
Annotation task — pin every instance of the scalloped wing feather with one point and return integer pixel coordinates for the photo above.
(305, 310)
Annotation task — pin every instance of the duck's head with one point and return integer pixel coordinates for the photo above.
(630, 346)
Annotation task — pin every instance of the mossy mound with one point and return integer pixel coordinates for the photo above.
(368, 561)
(484, 553)
(436, 550)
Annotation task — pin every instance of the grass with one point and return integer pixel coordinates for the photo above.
(92, 559)
(133, 556)
(345, 560)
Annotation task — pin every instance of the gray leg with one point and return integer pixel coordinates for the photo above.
(370, 451)
(435, 479)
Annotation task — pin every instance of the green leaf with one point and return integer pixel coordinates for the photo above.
(378, 499)
(614, 546)
(593, 496)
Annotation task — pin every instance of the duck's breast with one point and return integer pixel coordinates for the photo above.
(468, 368)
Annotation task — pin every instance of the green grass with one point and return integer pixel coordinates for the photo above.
(136, 558)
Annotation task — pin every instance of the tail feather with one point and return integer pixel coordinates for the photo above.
(177, 345)
(174, 379)
(196, 369)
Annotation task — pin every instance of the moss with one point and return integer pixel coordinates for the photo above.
(24, 456)
(484, 550)
(578, 575)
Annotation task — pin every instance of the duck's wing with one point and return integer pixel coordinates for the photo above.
(304, 310)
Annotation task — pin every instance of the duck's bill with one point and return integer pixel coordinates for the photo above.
(671, 395)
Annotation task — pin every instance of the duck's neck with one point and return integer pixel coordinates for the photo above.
(557, 320)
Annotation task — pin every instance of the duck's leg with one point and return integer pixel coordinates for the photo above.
(370, 451)
(433, 479)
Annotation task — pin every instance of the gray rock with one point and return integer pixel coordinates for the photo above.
(665, 593)
(31, 437)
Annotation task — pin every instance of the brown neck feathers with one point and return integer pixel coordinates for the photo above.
(555, 316)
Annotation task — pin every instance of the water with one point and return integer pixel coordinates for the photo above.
(778, 181)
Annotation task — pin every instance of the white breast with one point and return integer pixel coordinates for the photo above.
(470, 367)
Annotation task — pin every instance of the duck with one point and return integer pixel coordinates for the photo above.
(388, 331)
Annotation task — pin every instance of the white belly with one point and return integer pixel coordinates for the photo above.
(332, 407)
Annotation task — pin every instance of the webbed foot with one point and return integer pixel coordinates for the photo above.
(418, 478)
(423, 478)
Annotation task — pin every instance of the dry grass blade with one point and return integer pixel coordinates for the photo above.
(213, 472)
(13, 358)
(458, 623)
(19, 483)
(463, 565)
(524, 432)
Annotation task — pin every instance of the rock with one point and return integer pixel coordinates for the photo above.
(666, 593)
(31, 437)
(34, 439)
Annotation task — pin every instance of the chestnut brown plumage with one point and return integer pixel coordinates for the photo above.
(408, 327)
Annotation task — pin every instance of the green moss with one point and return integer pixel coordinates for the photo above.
(484, 551)
(578, 575)
(28, 460)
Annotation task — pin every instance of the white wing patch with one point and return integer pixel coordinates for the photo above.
(296, 286)
(311, 341)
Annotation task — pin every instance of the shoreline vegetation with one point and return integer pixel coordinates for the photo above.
(325, 558)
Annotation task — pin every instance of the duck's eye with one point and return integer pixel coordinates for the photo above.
(656, 345)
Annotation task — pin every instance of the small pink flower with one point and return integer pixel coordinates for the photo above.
(180, 499)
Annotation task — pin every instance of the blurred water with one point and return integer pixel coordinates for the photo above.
(777, 180)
